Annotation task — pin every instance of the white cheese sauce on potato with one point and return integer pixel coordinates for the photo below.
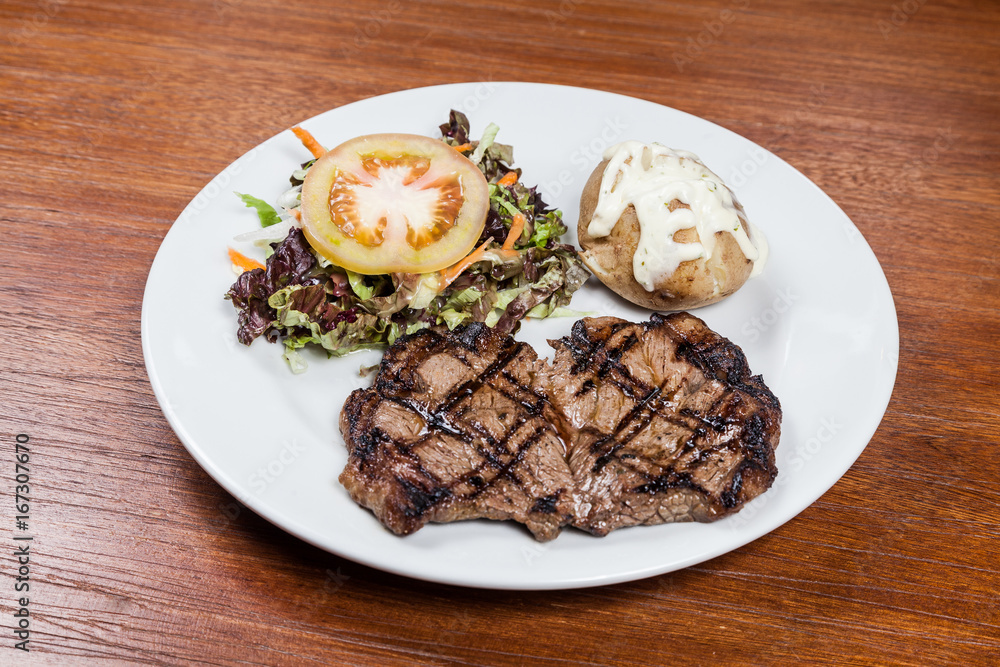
(651, 176)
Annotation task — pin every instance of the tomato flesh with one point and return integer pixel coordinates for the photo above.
(386, 203)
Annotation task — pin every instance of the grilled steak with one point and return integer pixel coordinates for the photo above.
(453, 429)
(632, 424)
(664, 422)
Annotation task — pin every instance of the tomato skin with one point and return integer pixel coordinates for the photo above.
(387, 203)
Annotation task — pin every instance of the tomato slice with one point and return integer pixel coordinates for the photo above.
(385, 203)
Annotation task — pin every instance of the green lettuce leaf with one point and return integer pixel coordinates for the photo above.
(465, 297)
(363, 291)
(452, 318)
(548, 227)
(265, 212)
(489, 134)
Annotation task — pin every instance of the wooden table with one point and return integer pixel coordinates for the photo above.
(114, 115)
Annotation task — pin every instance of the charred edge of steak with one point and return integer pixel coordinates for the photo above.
(472, 335)
(760, 467)
(421, 500)
(722, 360)
(356, 427)
(715, 356)
(547, 504)
(748, 481)
(584, 344)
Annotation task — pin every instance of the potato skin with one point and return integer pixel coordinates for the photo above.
(694, 284)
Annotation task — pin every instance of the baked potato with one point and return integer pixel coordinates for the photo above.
(694, 283)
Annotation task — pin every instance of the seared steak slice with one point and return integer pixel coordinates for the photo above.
(453, 429)
(664, 422)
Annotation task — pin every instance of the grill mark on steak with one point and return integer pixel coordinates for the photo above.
(420, 501)
(631, 424)
(433, 419)
(669, 482)
(508, 469)
(582, 347)
(634, 422)
(586, 351)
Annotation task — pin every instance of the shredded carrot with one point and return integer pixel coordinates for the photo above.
(509, 179)
(243, 261)
(455, 270)
(516, 227)
(296, 213)
(461, 148)
(309, 141)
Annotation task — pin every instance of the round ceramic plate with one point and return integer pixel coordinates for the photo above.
(819, 324)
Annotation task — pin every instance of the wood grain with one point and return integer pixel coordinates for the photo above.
(115, 115)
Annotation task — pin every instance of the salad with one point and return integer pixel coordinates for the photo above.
(518, 267)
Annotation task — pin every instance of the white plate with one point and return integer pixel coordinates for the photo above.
(819, 324)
